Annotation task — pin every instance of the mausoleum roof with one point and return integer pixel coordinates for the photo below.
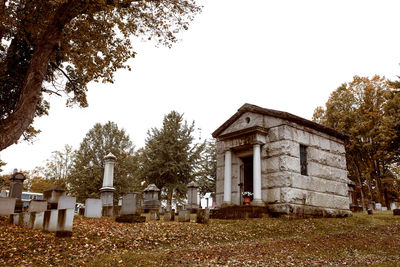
(278, 114)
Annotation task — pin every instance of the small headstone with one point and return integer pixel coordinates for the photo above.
(64, 222)
(184, 216)
(93, 207)
(36, 220)
(396, 212)
(378, 206)
(203, 216)
(26, 218)
(66, 202)
(193, 202)
(37, 206)
(393, 206)
(16, 186)
(50, 220)
(384, 208)
(128, 204)
(369, 211)
(169, 215)
(3, 193)
(7, 205)
(154, 216)
(14, 218)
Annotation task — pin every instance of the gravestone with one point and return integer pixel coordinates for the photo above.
(129, 212)
(378, 206)
(154, 215)
(151, 201)
(65, 222)
(184, 216)
(169, 215)
(7, 205)
(66, 202)
(93, 208)
(193, 203)
(26, 218)
(14, 218)
(50, 220)
(203, 216)
(52, 195)
(3, 193)
(37, 206)
(393, 206)
(396, 212)
(384, 208)
(36, 220)
(107, 191)
(128, 204)
(16, 186)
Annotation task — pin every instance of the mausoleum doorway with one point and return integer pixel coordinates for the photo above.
(246, 176)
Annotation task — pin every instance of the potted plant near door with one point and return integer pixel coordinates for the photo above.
(247, 196)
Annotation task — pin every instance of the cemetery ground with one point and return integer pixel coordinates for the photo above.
(358, 240)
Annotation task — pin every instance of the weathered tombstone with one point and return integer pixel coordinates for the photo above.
(378, 206)
(179, 208)
(93, 208)
(7, 205)
(169, 215)
(393, 206)
(52, 195)
(151, 201)
(26, 218)
(3, 193)
(50, 220)
(107, 191)
(193, 203)
(203, 216)
(16, 186)
(396, 212)
(36, 220)
(384, 208)
(128, 204)
(37, 206)
(129, 213)
(14, 218)
(369, 212)
(184, 216)
(64, 222)
(154, 215)
(66, 202)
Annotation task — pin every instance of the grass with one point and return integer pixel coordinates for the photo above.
(358, 240)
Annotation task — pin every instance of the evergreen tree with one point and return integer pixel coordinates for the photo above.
(86, 177)
(169, 157)
(207, 173)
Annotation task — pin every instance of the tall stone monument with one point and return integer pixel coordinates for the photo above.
(107, 191)
(193, 202)
(16, 186)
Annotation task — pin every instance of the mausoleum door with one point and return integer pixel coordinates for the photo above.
(248, 174)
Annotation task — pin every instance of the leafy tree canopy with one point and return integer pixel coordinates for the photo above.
(87, 172)
(368, 111)
(59, 46)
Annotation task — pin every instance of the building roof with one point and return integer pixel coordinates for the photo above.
(278, 114)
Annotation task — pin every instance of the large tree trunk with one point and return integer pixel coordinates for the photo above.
(14, 126)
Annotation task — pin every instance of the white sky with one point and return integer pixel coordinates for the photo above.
(284, 55)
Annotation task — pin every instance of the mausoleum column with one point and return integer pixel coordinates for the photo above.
(228, 178)
(257, 175)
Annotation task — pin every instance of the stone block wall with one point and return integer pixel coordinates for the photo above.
(324, 191)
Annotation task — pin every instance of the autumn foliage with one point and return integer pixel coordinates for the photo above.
(368, 111)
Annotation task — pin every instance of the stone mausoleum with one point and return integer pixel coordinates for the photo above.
(291, 165)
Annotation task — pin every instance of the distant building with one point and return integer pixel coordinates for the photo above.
(291, 165)
(26, 197)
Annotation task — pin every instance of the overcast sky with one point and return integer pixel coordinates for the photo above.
(284, 55)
